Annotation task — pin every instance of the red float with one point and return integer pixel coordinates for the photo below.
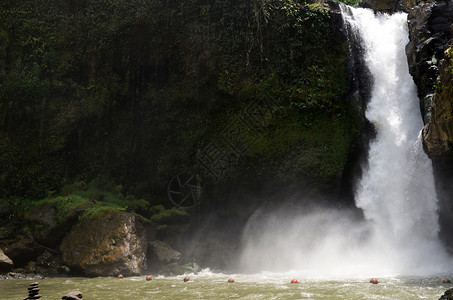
(186, 279)
(374, 281)
(148, 278)
(231, 280)
(446, 281)
(294, 281)
(120, 276)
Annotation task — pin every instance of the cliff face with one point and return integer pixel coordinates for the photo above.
(430, 61)
(438, 132)
(429, 32)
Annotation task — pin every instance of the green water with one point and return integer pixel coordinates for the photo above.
(209, 285)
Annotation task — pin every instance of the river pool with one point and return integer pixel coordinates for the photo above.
(209, 285)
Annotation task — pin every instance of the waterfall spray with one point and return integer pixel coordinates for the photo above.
(396, 193)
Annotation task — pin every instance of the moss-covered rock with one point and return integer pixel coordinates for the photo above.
(106, 243)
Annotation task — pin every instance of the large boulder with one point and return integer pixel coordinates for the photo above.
(6, 264)
(106, 243)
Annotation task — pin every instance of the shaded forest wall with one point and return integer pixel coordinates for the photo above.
(130, 92)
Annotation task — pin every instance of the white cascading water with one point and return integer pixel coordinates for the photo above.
(396, 192)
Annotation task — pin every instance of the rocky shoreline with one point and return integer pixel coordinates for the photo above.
(104, 244)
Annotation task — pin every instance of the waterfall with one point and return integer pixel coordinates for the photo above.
(397, 192)
(399, 233)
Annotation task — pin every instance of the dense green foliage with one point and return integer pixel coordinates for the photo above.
(128, 92)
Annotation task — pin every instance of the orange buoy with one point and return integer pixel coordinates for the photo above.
(294, 281)
(446, 281)
(120, 276)
(231, 280)
(186, 279)
(148, 278)
(374, 281)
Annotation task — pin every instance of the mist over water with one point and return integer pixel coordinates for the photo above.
(399, 232)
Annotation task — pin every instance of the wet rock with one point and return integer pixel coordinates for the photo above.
(438, 133)
(107, 243)
(429, 32)
(448, 295)
(162, 258)
(6, 264)
(438, 144)
(430, 35)
(74, 295)
(162, 252)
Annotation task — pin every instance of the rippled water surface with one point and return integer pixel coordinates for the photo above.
(209, 285)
